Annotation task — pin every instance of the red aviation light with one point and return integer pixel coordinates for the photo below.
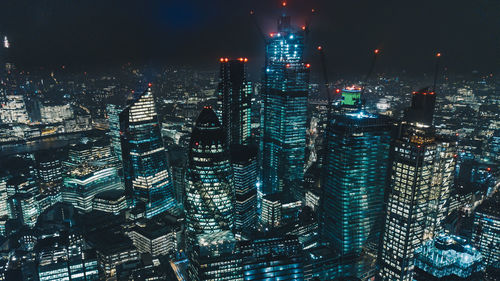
(376, 51)
(221, 59)
(287, 65)
(320, 48)
(245, 59)
(283, 4)
(303, 27)
(226, 59)
(271, 34)
(488, 169)
(308, 65)
(337, 91)
(149, 85)
(438, 55)
(313, 10)
(196, 143)
(431, 93)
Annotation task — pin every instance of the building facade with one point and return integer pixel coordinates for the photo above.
(285, 91)
(147, 176)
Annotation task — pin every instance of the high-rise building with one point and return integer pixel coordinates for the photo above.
(441, 186)
(234, 96)
(270, 216)
(447, 257)
(485, 233)
(412, 157)
(49, 172)
(113, 112)
(209, 203)
(244, 162)
(354, 178)
(285, 91)
(145, 166)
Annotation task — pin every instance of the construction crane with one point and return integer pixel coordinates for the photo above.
(436, 70)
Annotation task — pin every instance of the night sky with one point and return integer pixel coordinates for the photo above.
(108, 32)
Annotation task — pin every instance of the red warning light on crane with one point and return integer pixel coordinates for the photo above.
(283, 4)
(320, 48)
(149, 85)
(376, 51)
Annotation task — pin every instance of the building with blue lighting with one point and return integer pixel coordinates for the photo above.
(285, 91)
(147, 176)
(209, 203)
(447, 257)
(354, 178)
(244, 162)
(234, 98)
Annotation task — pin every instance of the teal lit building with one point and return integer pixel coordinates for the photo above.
(209, 202)
(285, 91)
(354, 177)
(147, 176)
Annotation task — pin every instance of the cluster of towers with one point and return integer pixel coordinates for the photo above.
(385, 184)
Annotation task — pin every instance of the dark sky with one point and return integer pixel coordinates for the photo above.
(106, 32)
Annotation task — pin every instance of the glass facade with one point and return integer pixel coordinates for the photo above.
(244, 162)
(285, 91)
(146, 172)
(113, 112)
(354, 173)
(234, 97)
(209, 203)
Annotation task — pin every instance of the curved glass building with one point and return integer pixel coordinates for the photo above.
(209, 201)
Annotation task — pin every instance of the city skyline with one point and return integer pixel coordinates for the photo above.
(274, 165)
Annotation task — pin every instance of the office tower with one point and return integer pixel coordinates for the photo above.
(155, 238)
(24, 207)
(112, 250)
(447, 257)
(354, 178)
(272, 258)
(4, 207)
(145, 166)
(441, 186)
(422, 107)
(113, 112)
(209, 201)
(49, 172)
(234, 97)
(84, 182)
(215, 257)
(244, 162)
(111, 201)
(285, 91)
(270, 216)
(485, 233)
(412, 164)
(57, 262)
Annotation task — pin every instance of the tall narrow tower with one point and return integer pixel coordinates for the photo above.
(146, 172)
(285, 91)
(234, 101)
(413, 160)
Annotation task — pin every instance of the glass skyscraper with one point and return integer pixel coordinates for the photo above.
(234, 97)
(412, 157)
(244, 162)
(285, 91)
(146, 172)
(209, 203)
(485, 233)
(354, 179)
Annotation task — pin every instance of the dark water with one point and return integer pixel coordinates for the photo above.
(40, 144)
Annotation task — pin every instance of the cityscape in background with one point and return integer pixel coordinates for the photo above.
(147, 172)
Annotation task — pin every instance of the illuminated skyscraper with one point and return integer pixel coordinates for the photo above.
(412, 163)
(49, 172)
(113, 112)
(244, 162)
(354, 175)
(234, 96)
(146, 172)
(285, 91)
(209, 200)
